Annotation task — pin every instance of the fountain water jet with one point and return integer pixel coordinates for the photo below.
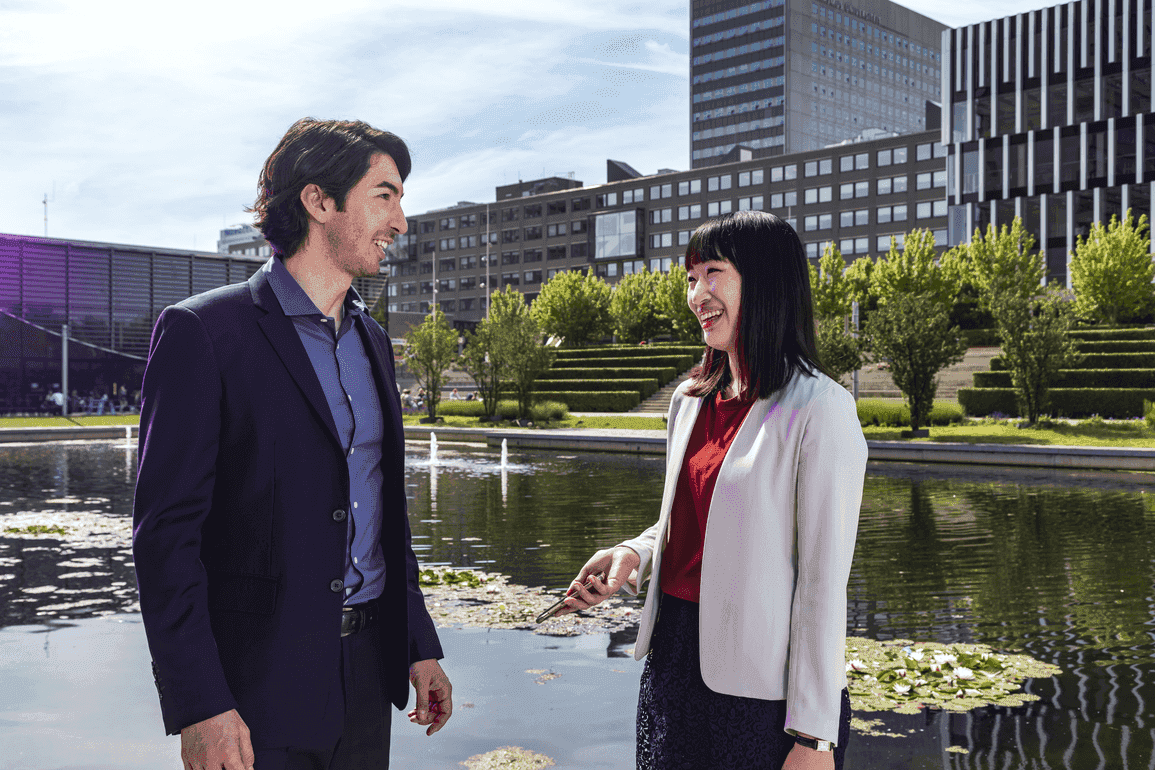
(505, 453)
(432, 448)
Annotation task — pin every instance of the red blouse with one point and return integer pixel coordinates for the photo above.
(718, 422)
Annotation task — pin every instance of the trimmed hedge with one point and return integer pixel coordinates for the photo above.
(664, 373)
(1117, 346)
(605, 401)
(1095, 335)
(622, 351)
(1100, 361)
(873, 411)
(647, 387)
(1117, 403)
(981, 338)
(1078, 378)
(681, 363)
(541, 411)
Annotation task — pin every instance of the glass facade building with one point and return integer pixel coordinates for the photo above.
(1049, 118)
(110, 296)
(786, 76)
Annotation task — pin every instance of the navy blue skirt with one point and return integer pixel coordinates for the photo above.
(682, 723)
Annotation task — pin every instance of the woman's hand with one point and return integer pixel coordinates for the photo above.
(802, 758)
(618, 563)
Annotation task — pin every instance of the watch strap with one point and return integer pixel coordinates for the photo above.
(813, 743)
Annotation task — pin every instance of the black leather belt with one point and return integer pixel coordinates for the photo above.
(358, 617)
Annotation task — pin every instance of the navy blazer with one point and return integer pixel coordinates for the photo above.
(239, 523)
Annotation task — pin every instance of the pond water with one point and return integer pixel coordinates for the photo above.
(1059, 565)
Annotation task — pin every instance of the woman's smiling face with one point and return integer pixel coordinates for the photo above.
(714, 294)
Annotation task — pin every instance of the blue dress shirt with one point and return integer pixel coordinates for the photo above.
(346, 376)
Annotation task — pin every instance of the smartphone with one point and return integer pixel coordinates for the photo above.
(553, 608)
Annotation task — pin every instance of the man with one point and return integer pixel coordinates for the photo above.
(278, 585)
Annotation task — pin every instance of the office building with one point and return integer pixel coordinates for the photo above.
(1049, 118)
(110, 296)
(857, 195)
(776, 77)
(243, 240)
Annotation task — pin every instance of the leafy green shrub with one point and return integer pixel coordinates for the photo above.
(681, 363)
(1100, 334)
(980, 402)
(544, 411)
(1112, 403)
(663, 373)
(1116, 346)
(450, 408)
(541, 411)
(605, 401)
(1149, 413)
(894, 414)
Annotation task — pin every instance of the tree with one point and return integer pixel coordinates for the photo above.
(481, 366)
(840, 350)
(430, 350)
(911, 326)
(1111, 270)
(574, 307)
(1036, 344)
(634, 307)
(678, 319)
(1000, 265)
(516, 345)
(912, 331)
(1032, 324)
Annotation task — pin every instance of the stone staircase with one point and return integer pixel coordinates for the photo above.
(659, 403)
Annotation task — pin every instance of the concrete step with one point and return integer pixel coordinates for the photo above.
(659, 403)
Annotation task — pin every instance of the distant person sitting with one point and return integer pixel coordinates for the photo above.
(455, 396)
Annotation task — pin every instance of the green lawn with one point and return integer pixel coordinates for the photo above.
(1085, 433)
(624, 422)
(69, 422)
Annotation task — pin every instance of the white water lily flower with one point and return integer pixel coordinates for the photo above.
(942, 658)
(964, 673)
(901, 688)
(900, 672)
(919, 682)
(916, 655)
(855, 665)
(972, 693)
(936, 667)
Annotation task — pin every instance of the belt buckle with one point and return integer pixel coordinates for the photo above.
(350, 620)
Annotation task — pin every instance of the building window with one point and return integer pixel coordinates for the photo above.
(615, 235)
(553, 231)
(861, 189)
(862, 161)
(899, 184)
(510, 236)
(468, 283)
(862, 217)
(922, 210)
(578, 250)
(811, 168)
(717, 208)
(899, 155)
(825, 221)
(846, 163)
(580, 204)
(532, 210)
(428, 227)
(884, 157)
(846, 219)
(922, 181)
(754, 203)
(556, 252)
(923, 151)
(940, 211)
(900, 213)
(606, 199)
(510, 257)
(884, 214)
(659, 216)
(884, 187)
(825, 194)
(810, 223)
(533, 233)
(509, 215)
(684, 237)
(531, 255)
(661, 240)
(510, 279)
(577, 226)
(448, 223)
(533, 276)
(555, 207)
(811, 195)
(846, 191)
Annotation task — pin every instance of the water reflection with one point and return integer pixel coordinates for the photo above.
(1060, 565)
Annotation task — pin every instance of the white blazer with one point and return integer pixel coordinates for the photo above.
(779, 542)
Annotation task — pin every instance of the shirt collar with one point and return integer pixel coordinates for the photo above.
(294, 301)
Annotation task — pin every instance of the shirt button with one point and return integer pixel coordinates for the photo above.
(336, 586)
(339, 515)
(354, 503)
(354, 449)
(354, 559)
(349, 397)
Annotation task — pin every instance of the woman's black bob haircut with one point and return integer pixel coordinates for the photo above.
(332, 154)
(776, 318)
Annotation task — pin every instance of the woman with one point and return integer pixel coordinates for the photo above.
(745, 621)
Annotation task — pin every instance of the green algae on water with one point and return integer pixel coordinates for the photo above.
(905, 676)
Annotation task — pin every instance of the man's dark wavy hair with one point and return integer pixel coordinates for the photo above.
(332, 154)
(776, 338)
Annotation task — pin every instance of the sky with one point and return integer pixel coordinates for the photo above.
(147, 123)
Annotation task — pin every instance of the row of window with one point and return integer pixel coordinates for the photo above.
(741, 69)
(861, 245)
(740, 50)
(885, 214)
(740, 128)
(745, 29)
(733, 13)
(740, 109)
(845, 21)
(766, 141)
(741, 88)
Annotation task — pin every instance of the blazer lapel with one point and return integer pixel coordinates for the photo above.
(282, 335)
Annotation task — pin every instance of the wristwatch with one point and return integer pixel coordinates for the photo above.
(813, 743)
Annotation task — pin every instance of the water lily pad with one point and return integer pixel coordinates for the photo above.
(905, 676)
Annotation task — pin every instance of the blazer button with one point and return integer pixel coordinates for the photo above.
(336, 586)
(339, 515)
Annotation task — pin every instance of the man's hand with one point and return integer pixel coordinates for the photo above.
(618, 563)
(434, 695)
(218, 742)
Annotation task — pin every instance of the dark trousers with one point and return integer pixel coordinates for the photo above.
(364, 741)
(684, 725)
